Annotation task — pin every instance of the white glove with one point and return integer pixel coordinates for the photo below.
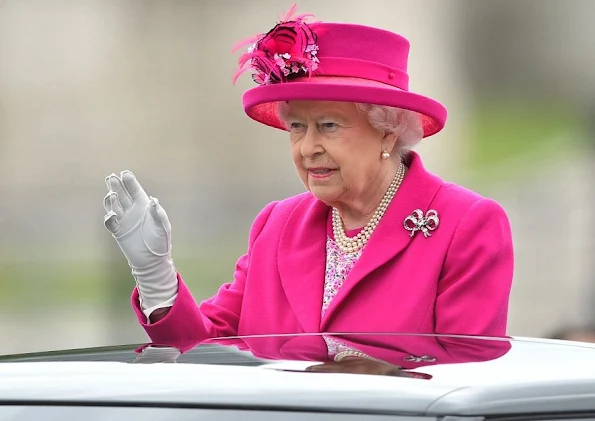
(142, 230)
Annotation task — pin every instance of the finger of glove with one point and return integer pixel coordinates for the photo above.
(132, 186)
(111, 222)
(107, 204)
(112, 201)
(160, 242)
(115, 184)
(159, 215)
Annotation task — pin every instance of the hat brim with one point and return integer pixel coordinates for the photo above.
(260, 103)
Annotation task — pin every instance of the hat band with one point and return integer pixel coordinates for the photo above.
(351, 67)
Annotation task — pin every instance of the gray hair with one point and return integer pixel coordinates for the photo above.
(406, 125)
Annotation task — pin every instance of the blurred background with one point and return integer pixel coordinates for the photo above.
(90, 87)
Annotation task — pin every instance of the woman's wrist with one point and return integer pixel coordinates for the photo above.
(158, 314)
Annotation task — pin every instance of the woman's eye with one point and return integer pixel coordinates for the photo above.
(329, 125)
(294, 126)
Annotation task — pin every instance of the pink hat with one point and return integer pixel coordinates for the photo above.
(331, 62)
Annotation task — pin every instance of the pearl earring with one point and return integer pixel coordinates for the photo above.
(385, 154)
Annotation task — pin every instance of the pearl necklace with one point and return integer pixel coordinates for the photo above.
(350, 245)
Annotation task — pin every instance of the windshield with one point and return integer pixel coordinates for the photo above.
(362, 353)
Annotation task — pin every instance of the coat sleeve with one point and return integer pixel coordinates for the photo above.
(476, 279)
(187, 324)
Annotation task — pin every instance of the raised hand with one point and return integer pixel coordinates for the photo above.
(140, 226)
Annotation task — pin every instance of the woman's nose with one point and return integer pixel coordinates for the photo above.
(311, 143)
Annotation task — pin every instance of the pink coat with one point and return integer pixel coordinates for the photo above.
(457, 281)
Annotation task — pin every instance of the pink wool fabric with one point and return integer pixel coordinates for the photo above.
(457, 281)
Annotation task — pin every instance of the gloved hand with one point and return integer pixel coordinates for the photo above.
(142, 230)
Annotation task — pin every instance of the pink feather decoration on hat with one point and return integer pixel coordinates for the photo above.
(286, 51)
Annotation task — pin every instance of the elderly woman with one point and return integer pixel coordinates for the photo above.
(376, 244)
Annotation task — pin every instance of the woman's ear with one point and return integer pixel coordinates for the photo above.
(389, 141)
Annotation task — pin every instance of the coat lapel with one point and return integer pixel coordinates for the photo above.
(390, 237)
(302, 260)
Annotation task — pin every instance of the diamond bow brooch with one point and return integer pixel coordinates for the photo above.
(417, 221)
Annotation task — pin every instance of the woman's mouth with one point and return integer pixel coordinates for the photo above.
(321, 173)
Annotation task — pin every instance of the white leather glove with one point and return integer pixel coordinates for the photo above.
(142, 230)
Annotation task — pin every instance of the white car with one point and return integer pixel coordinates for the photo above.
(289, 377)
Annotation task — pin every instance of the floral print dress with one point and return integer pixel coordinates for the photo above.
(338, 266)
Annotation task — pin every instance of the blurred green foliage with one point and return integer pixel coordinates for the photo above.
(32, 287)
(510, 137)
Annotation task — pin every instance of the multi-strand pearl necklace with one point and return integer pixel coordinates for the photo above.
(350, 245)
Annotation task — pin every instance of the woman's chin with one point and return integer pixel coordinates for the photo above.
(327, 195)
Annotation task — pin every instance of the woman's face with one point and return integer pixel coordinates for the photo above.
(336, 151)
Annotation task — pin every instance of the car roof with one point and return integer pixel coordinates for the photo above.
(533, 376)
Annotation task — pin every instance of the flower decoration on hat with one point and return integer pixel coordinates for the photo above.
(287, 51)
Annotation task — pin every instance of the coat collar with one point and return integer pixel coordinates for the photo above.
(302, 247)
